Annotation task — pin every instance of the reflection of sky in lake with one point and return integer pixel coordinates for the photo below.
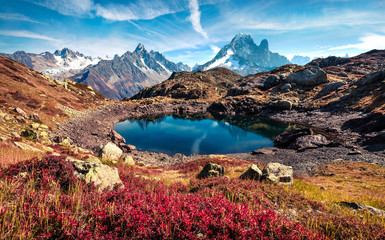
(172, 135)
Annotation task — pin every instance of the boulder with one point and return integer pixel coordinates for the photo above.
(271, 81)
(373, 78)
(26, 147)
(282, 105)
(264, 151)
(288, 137)
(103, 176)
(329, 88)
(253, 173)
(111, 152)
(278, 173)
(128, 161)
(309, 77)
(211, 170)
(309, 141)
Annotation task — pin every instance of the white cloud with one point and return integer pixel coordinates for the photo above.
(26, 34)
(215, 49)
(17, 17)
(368, 42)
(67, 7)
(195, 18)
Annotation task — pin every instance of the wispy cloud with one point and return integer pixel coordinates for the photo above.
(67, 7)
(195, 18)
(139, 9)
(17, 17)
(368, 42)
(26, 34)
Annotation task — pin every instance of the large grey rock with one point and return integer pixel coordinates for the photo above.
(309, 77)
(111, 152)
(278, 173)
(288, 137)
(253, 173)
(211, 170)
(309, 141)
(103, 176)
(373, 78)
(329, 88)
(271, 81)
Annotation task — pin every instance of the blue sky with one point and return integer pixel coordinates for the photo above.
(192, 31)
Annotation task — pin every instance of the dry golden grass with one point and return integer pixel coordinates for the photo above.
(10, 154)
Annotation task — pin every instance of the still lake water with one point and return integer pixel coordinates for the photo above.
(172, 134)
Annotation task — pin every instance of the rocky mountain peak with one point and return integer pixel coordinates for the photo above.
(65, 53)
(140, 48)
(264, 45)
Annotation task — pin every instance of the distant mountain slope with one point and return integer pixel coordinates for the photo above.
(300, 60)
(60, 65)
(126, 75)
(209, 85)
(243, 56)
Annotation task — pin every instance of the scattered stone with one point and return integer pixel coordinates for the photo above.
(26, 147)
(103, 176)
(288, 137)
(66, 142)
(127, 147)
(21, 112)
(309, 141)
(355, 152)
(211, 170)
(359, 206)
(329, 88)
(286, 87)
(43, 127)
(128, 161)
(116, 138)
(111, 152)
(321, 187)
(3, 138)
(278, 173)
(35, 126)
(35, 116)
(266, 151)
(15, 135)
(7, 117)
(2, 114)
(309, 77)
(282, 105)
(43, 135)
(253, 173)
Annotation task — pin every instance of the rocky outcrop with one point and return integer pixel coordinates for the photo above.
(363, 207)
(111, 152)
(281, 105)
(278, 173)
(103, 176)
(253, 173)
(309, 77)
(211, 170)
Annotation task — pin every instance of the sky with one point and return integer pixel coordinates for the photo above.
(192, 31)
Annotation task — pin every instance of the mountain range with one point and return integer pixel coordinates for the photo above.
(60, 65)
(243, 56)
(126, 75)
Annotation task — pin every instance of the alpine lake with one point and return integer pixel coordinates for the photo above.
(200, 134)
